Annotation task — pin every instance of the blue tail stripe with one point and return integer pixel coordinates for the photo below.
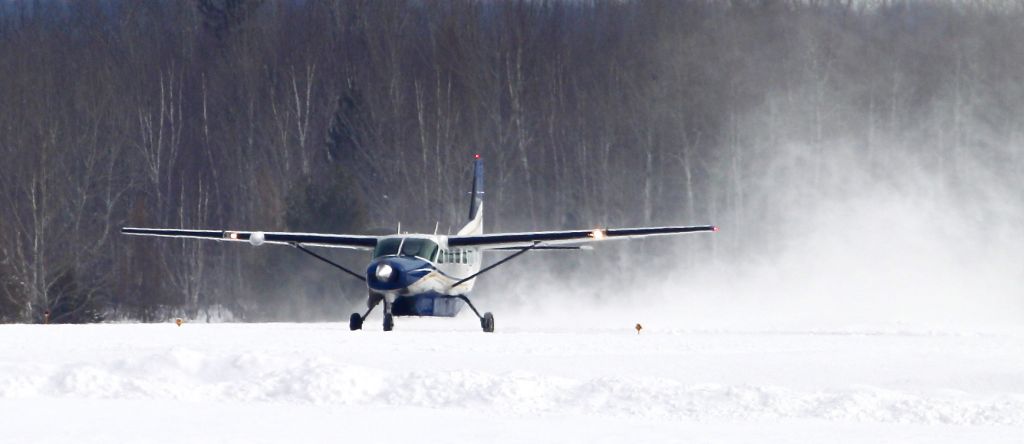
(478, 188)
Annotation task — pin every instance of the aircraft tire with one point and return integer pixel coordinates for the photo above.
(389, 322)
(487, 322)
(355, 322)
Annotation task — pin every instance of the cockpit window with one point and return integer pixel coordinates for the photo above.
(387, 247)
(424, 248)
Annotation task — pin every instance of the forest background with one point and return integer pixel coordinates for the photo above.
(783, 122)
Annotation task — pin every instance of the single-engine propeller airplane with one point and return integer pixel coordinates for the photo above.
(424, 274)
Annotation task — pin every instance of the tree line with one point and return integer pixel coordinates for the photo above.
(352, 116)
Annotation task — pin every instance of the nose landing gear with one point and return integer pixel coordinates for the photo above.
(389, 320)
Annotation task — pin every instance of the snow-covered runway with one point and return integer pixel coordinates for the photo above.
(444, 381)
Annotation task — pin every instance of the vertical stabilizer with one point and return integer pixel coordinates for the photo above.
(476, 197)
(476, 201)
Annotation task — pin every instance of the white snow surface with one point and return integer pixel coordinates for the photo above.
(442, 380)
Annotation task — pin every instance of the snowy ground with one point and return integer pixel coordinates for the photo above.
(437, 380)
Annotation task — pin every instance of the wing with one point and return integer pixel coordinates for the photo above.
(260, 237)
(501, 241)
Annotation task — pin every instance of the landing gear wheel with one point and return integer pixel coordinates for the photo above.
(487, 322)
(389, 322)
(355, 322)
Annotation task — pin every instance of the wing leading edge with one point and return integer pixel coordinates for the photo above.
(500, 241)
(496, 241)
(259, 237)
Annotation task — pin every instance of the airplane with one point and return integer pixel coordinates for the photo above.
(427, 274)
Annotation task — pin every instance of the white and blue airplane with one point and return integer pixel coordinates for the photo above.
(427, 274)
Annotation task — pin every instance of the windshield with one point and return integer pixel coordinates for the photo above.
(424, 248)
(387, 247)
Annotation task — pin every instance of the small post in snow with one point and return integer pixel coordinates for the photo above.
(46, 317)
(638, 328)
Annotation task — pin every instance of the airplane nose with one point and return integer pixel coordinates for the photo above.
(394, 273)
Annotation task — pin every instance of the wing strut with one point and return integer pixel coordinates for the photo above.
(521, 251)
(328, 261)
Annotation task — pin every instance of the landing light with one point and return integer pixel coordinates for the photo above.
(233, 236)
(597, 234)
(384, 272)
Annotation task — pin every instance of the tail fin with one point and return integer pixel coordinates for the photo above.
(476, 201)
(477, 197)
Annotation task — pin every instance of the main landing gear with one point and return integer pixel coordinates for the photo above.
(486, 321)
(355, 322)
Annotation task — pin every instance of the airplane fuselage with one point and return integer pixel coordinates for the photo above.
(416, 274)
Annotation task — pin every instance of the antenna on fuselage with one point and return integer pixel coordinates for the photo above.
(399, 227)
(436, 226)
